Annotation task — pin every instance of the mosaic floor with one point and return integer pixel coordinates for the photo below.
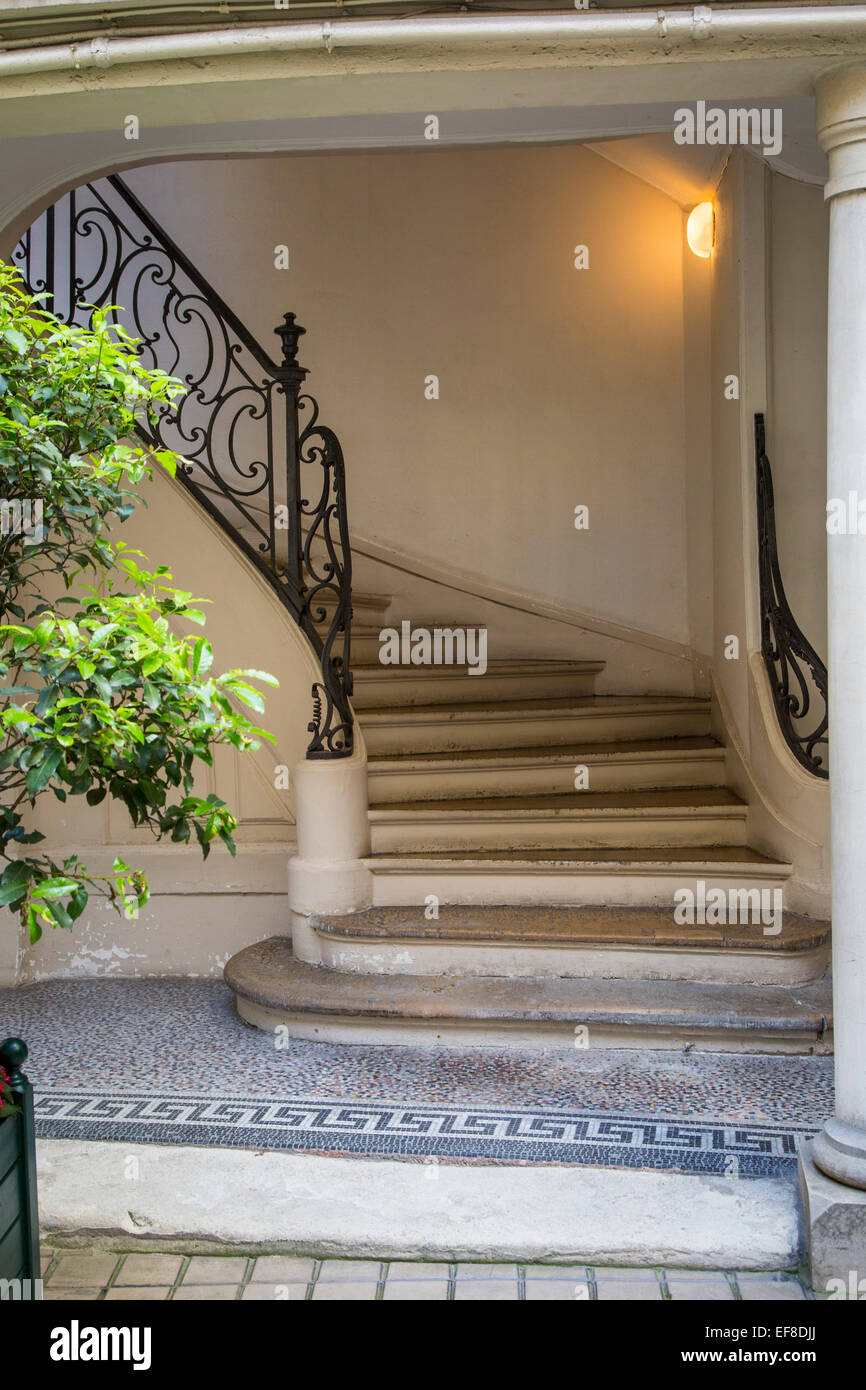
(169, 1061)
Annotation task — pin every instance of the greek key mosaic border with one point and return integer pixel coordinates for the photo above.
(418, 1131)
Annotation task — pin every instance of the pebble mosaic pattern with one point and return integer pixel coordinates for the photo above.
(148, 1059)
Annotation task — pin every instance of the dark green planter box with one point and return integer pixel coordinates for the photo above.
(19, 1219)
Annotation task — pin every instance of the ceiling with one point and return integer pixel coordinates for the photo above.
(689, 173)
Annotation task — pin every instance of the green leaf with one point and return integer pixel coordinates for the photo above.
(40, 775)
(15, 339)
(249, 695)
(260, 675)
(202, 657)
(10, 892)
(167, 459)
(50, 889)
(61, 916)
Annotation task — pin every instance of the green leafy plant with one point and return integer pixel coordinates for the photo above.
(99, 694)
(8, 1104)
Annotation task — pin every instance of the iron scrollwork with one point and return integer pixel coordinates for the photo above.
(796, 672)
(99, 248)
(327, 562)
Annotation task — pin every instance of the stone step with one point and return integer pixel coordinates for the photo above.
(367, 609)
(628, 876)
(575, 820)
(365, 643)
(275, 990)
(528, 724)
(378, 687)
(587, 942)
(651, 763)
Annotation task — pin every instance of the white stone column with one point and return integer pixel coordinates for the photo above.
(328, 873)
(840, 1150)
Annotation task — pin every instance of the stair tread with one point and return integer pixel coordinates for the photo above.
(669, 857)
(580, 704)
(545, 752)
(374, 670)
(646, 927)
(268, 975)
(574, 803)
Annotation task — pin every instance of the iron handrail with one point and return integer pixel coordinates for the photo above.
(795, 670)
(246, 432)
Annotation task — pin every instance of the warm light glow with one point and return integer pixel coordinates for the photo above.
(701, 229)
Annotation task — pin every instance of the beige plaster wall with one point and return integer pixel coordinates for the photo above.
(200, 912)
(557, 386)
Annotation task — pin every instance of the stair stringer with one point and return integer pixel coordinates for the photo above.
(789, 809)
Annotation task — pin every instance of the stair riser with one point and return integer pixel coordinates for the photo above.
(367, 609)
(619, 832)
(530, 731)
(522, 1035)
(410, 957)
(607, 775)
(434, 687)
(365, 649)
(394, 887)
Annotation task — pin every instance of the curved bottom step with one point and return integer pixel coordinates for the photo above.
(274, 990)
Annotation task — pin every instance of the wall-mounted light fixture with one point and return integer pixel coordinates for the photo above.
(701, 230)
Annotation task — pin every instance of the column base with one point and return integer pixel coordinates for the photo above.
(835, 1219)
(840, 1152)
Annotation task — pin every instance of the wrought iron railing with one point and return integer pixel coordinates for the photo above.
(797, 674)
(248, 434)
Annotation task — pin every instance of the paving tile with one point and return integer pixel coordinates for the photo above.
(346, 1290)
(276, 1293)
(282, 1269)
(782, 1287)
(556, 1290)
(198, 1293)
(420, 1269)
(633, 1284)
(215, 1269)
(707, 1286)
(354, 1270)
(486, 1291)
(82, 1270)
(473, 1271)
(141, 1293)
(144, 1269)
(64, 1295)
(572, 1273)
(416, 1291)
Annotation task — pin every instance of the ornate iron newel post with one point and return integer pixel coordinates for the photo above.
(320, 559)
(290, 375)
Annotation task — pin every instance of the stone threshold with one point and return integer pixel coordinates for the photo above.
(254, 1201)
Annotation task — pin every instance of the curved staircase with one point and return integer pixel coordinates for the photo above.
(511, 908)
